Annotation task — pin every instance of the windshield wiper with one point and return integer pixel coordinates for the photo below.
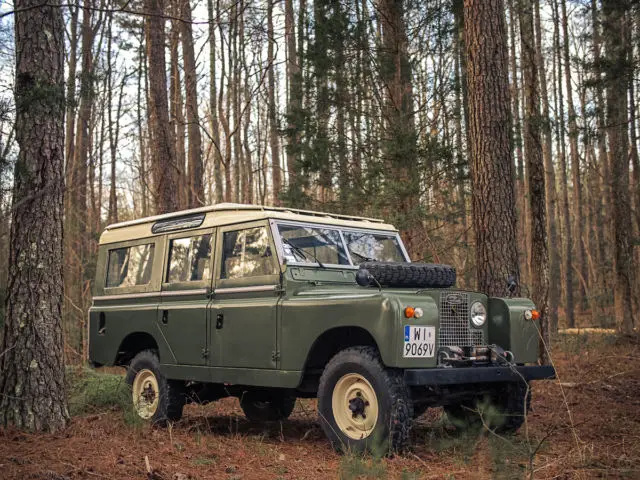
(363, 257)
(304, 253)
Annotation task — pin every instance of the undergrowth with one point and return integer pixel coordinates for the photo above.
(90, 392)
(355, 466)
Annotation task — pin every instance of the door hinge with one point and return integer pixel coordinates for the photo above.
(275, 356)
(205, 352)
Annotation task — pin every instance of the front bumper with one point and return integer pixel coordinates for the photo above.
(479, 374)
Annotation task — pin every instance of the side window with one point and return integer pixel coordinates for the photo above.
(130, 266)
(189, 259)
(246, 253)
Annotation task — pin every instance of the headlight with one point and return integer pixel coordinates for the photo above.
(478, 314)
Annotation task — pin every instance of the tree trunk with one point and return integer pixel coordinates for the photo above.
(213, 107)
(399, 135)
(113, 140)
(492, 171)
(70, 270)
(522, 187)
(163, 159)
(617, 81)
(604, 199)
(195, 193)
(144, 186)
(550, 182)
(564, 187)
(538, 255)
(76, 253)
(294, 104)
(32, 385)
(176, 105)
(276, 176)
(578, 229)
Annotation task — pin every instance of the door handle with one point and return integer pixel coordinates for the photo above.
(219, 321)
(165, 316)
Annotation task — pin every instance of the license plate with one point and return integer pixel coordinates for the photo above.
(419, 342)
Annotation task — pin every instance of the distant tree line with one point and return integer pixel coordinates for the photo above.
(500, 136)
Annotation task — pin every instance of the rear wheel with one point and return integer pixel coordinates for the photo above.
(265, 405)
(364, 406)
(155, 398)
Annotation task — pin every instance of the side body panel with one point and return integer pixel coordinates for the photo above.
(244, 309)
(183, 316)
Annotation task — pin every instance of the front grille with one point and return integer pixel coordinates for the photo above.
(455, 329)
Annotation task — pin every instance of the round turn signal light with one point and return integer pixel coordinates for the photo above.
(409, 312)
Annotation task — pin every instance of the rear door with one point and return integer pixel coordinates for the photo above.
(246, 295)
(186, 287)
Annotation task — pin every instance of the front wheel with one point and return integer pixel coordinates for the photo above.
(364, 406)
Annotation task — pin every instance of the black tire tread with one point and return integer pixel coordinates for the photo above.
(411, 275)
(280, 404)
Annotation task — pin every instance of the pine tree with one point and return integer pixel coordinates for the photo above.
(491, 156)
(32, 386)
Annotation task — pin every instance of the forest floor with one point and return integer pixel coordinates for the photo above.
(586, 424)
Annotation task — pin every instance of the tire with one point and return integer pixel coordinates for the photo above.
(155, 398)
(419, 409)
(411, 275)
(513, 401)
(356, 383)
(503, 410)
(267, 405)
(464, 416)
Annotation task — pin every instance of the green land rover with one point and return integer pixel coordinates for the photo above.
(273, 304)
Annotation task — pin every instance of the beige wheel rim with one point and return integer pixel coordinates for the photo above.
(145, 393)
(355, 406)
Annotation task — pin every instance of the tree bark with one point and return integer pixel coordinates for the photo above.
(617, 80)
(176, 104)
(578, 227)
(294, 104)
(276, 176)
(492, 171)
(195, 170)
(551, 195)
(163, 158)
(538, 255)
(213, 107)
(32, 386)
(399, 135)
(564, 187)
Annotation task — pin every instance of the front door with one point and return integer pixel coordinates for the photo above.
(186, 287)
(245, 298)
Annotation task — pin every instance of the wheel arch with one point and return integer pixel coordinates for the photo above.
(133, 344)
(328, 344)
(334, 340)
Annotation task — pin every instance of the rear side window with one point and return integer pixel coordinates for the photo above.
(246, 253)
(130, 266)
(189, 259)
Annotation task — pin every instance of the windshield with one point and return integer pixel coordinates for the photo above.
(312, 245)
(335, 246)
(377, 247)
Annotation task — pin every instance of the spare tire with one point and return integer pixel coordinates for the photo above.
(410, 275)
